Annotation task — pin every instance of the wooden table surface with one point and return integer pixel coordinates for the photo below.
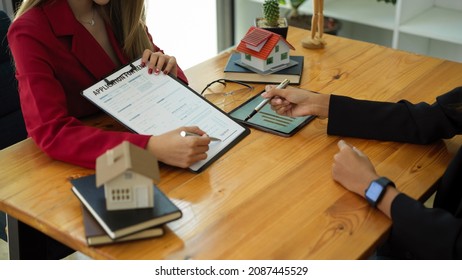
(269, 197)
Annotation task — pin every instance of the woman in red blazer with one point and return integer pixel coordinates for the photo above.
(61, 47)
(417, 232)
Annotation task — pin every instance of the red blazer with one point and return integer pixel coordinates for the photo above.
(56, 58)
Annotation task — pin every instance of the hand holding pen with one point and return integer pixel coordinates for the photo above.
(186, 133)
(296, 102)
(282, 85)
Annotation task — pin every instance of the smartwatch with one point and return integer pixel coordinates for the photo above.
(376, 190)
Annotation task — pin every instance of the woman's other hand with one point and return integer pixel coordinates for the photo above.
(158, 61)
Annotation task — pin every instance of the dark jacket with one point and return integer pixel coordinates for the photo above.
(12, 127)
(417, 232)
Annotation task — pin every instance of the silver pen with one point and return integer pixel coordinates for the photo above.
(186, 133)
(283, 84)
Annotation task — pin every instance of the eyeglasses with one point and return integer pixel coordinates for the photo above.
(216, 93)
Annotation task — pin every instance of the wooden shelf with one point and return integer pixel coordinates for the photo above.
(436, 23)
(429, 27)
(367, 12)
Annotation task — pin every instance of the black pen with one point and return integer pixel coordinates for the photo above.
(186, 133)
(264, 102)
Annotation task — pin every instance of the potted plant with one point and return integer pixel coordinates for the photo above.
(294, 5)
(271, 19)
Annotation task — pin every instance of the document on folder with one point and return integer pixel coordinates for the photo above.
(155, 104)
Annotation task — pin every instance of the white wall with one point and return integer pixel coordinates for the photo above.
(185, 29)
(182, 28)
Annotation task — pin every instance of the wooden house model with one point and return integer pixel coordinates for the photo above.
(264, 50)
(127, 173)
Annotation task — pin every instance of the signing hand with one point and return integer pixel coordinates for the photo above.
(173, 149)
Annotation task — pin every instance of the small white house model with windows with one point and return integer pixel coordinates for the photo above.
(127, 173)
(264, 50)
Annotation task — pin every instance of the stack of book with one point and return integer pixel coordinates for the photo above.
(234, 70)
(104, 227)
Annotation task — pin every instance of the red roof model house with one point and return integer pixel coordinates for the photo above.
(264, 50)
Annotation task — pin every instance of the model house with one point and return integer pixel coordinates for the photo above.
(127, 173)
(264, 50)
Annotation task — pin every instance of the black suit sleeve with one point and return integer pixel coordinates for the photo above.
(402, 121)
(423, 233)
(418, 232)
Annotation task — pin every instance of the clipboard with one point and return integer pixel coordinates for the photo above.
(267, 120)
(155, 104)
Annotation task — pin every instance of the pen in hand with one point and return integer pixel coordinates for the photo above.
(264, 102)
(186, 133)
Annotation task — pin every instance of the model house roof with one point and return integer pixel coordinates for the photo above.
(259, 42)
(256, 37)
(124, 157)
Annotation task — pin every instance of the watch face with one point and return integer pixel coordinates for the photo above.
(374, 191)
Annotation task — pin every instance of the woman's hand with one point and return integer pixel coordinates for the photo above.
(295, 102)
(173, 149)
(158, 61)
(353, 169)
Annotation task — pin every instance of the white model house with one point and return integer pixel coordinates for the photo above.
(127, 173)
(264, 50)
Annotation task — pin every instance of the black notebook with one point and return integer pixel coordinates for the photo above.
(95, 234)
(234, 71)
(118, 223)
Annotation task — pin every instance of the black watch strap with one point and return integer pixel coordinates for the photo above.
(384, 181)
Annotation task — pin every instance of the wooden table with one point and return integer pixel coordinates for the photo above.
(269, 197)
